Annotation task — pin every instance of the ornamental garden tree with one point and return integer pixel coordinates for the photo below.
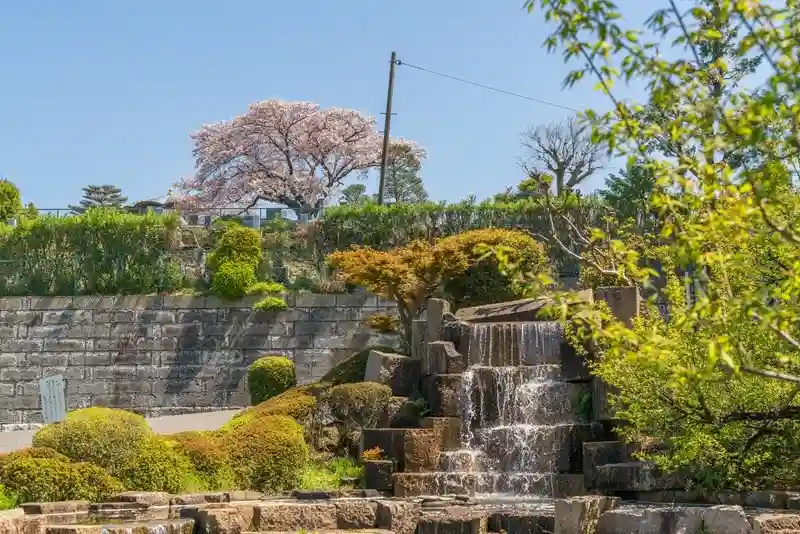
(293, 153)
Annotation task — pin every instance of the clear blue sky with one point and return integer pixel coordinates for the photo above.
(98, 91)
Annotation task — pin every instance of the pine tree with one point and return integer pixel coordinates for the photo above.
(100, 196)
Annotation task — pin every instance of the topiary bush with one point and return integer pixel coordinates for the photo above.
(269, 376)
(51, 479)
(268, 454)
(297, 403)
(10, 200)
(159, 467)
(237, 243)
(352, 368)
(232, 278)
(106, 437)
(358, 405)
(209, 459)
(271, 303)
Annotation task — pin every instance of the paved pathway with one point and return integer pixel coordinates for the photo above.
(168, 424)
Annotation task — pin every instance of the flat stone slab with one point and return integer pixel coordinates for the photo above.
(173, 526)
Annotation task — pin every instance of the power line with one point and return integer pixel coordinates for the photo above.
(488, 87)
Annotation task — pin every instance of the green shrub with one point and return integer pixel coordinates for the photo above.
(8, 499)
(328, 475)
(49, 479)
(100, 252)
(210, 461)
(106, 437)
(269, 376)
(358, 405)
(270, 304)
(10, 200)
(237, 243)
(32, 452)
(482, 282)
(232, 278)
(266, 288)
(267, 454)
(352, 369)
(297, 403)
(159, 467)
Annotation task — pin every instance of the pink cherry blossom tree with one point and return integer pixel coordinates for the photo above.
(294, 153)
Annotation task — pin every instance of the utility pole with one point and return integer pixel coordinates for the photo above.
(387, 123)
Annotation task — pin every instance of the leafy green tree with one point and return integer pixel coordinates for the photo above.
(10, 200)
(355, 195)
(403, 181)
(628, 193)
(536, 185)
(100, 196)
(724, 371)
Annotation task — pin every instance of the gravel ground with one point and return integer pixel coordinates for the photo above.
(168, 424)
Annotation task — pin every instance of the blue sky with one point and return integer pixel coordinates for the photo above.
(107, 92)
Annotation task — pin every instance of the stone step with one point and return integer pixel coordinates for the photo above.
(635, 477)
(316, 516)
(171, 526)
(597, 453)
(464, 460)
(465, 483)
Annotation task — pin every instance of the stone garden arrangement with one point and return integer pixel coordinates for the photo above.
(514, 438)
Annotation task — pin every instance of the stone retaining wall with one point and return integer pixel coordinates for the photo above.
(161, 355)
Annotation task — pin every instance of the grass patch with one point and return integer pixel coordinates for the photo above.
(328, 475)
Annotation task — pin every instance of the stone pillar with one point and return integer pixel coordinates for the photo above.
(579, 515)
(419, 342)
(623, 302)
(436, 310)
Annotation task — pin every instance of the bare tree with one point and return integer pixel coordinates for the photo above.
(564, 150)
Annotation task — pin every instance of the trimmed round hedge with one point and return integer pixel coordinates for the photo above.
(51, 479)
(297, 403)
(360, 404)
(106, 437)
(159, 467)
(270, 376)
(268, 454)
(232, 279)
(209, 459)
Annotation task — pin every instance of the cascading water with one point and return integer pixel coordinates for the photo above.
(514, 411)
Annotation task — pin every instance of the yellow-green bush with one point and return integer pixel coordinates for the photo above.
(32, 452)
(352, 369)
(232, 278)
(482, 282)
(358, 405)
(106, 437)
(159, 467)
(271, 304)
(267, 454)
(269, 376)
(297, 403)
(209, 459)
(50, 479)
(236, 244)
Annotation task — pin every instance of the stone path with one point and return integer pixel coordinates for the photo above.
(168, 424)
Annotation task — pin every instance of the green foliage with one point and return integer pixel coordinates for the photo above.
(99, 252)
(297, 403)
(209, 459)
(266, 288)
(232, 279)
(390, 226)
(236, 243)
(482, 282)
(328, 475)
(628, 193)
(352, 368)
(8, 499)
(358, 405)
(159, 467)
(267, 454)
(271, 304)
(106, 437)
(10, 200)
(51, 479)
(269, 376)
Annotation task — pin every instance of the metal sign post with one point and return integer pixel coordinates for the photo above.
(54, 402)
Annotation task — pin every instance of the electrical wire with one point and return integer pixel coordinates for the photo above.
(488, 87)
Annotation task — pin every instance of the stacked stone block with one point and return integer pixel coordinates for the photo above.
(167, 354)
